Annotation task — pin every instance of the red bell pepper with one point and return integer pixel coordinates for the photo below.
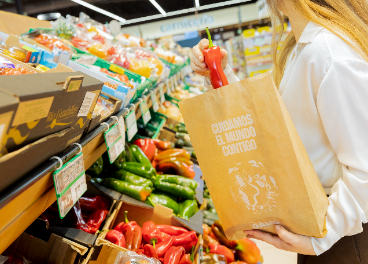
(222, 250)
(185, 239)
(174, 255)
(95, 220)
(133, 238)
(172, 230)
(181, 168)
(90, 204)
(123, 227)
(149, 232)
(150, 251)
(247, 251)
(162, 247)
(147, 146)
(116, 237)
(212, 57)
(162, 145)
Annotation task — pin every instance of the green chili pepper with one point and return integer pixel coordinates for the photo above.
(128, 154)
(187, 209)
(131, 178)
(137, 192)
(96, 169)
(179, 180)
(173, 189)
(139, 155)
(163, 199)
(139, 169)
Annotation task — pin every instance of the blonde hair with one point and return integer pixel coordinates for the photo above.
(348, 19)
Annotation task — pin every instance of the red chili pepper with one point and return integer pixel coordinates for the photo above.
(116, 237)
(133, 238)
(186, 259)
(77, 218)
(161, 260)
(162, 247)
(212, 57)
(185, 238)
(149, 232)
(147, 146)
(189, 247)
(222, 250)
(172, 230)
(123, 227)
(180, 167)
(90, 204)
(140, 251)
(162, 145)
(173, 255)
(95, 220)
(150, 251)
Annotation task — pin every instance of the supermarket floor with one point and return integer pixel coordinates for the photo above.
(272, 255)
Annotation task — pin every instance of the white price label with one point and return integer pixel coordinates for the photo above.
(162, 94)
(121, 124)
(72, 195)
(114, 142)
(155, 105)
(64, 177)
(86, 105)
(146, 115)
(131, 124)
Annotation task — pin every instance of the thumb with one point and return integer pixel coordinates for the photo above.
(285, 235)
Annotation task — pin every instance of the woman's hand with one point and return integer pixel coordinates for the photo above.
(284, 240)
(197, 59)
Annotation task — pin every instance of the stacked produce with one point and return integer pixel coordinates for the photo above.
(166, 243)
(87, 214)
(171, 110)
(218, 249)
(139, 173)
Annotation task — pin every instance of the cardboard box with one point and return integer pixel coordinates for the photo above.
(8, 106)
(107, 252)
(48, 103)
(51, 249)
(11, 23)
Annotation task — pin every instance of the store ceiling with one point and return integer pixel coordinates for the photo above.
(127, 9)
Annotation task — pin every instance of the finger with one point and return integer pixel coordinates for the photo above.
(268, 238)
(203, 44)
(199, 70)
(198, 54)
(196, 61)
(285, 235)
(223, 54)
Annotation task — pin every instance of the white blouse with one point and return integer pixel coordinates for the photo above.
(325, 89)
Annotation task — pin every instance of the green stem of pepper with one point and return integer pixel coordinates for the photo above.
(126, 216)
(210, 45)
(192, 254)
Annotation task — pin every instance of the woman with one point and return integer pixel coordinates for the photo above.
(321, 72)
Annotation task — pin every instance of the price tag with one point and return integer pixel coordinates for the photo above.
(71, 195)
(114, 142)
(121, 124)
(162, 94)
(131, 124)
(155, 105)
(146, 115)
(168, 86)
(64, 177)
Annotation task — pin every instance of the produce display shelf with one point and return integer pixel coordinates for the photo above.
(23, 202)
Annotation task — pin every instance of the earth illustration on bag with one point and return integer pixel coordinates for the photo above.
(254, 189)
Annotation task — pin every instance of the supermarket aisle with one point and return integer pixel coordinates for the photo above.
(272, 255)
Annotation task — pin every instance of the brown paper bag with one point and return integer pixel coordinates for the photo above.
(253, 161)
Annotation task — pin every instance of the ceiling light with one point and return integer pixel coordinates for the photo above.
(159, 8)
(183, 11)
(99, 10)
(49, 16)
(197, 3)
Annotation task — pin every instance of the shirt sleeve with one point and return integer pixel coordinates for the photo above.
(342, 103)
(231, 77)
